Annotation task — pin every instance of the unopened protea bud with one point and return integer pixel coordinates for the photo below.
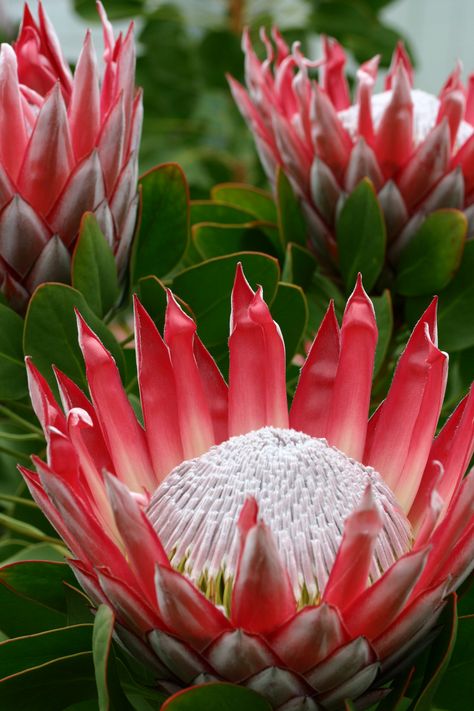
(417, 149)
(68, 144)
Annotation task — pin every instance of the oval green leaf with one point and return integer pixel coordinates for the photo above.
(152, 294)
(290, 311)
(431, 258)
(164, 226)
(291, 222)
(32, 596)
(50, 334)
(54, 685)
(109, 691)
(258, 202)
(215, 240)
(299, 265)
(361, 236)
(319, 294)
(93, 268)
(22, 653)
(216, 697)
(384, 316)
(220, 212)
(101, 642)
(456, 306)
(207, 289)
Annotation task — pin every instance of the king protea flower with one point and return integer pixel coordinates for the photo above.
(68, 144)
(416, 148)
(305, 554)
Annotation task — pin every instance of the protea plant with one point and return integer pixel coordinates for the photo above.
(305, 554)
(417, 149)
(68, 144)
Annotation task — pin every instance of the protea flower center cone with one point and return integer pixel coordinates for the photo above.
(305, 490)
(305, 553)
(68, 144)
(416, 148)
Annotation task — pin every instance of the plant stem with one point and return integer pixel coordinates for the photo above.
(128, 339)
(20, 437)
(18, 500)
(236, 16)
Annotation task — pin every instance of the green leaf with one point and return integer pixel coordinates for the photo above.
(258, 202)
(393, 701)
(216, 697)
(78, 606)
(215, 240)
(429, 261)
(164, 226)
(22, 653)
(13, 383)
(291, 222)
(456, 690)
(319, 294)
(32, 596)
(384, 315)
(109, 690)
(152, 294)
(50, 334)
(54, 685)
(438, 659)
(37, 551)
(207, 288)
(361, 236)
(299, 265)
(101, 641)
(93, 268)
(290, 311)
(220, 212)
(456, 306)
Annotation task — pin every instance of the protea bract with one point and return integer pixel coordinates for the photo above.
(68, 144)
(416, 148)
(305, 554)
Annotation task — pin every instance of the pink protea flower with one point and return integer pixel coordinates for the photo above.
(67, 145)
(304, 554)
(417, 149)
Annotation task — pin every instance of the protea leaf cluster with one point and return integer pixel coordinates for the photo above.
(68, 144)
(303, 553)
(417, 149)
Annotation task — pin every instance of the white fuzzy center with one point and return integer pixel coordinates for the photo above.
(305, 490)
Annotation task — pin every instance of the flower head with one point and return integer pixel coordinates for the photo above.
(303, 552)
(68, 144)
(417, 149)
